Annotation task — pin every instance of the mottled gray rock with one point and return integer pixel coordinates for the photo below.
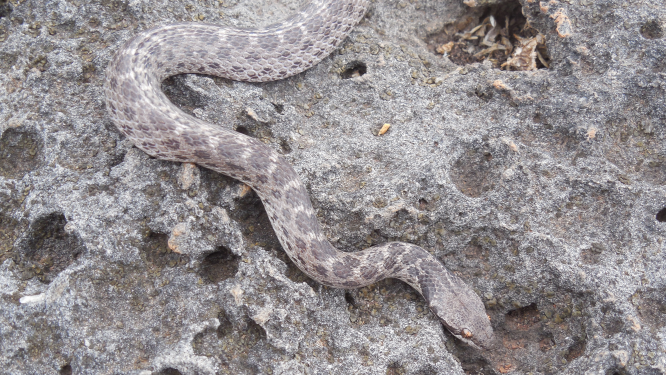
(544, 190)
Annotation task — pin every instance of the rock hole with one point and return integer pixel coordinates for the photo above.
(5, 8)
(592, 254)
(284, 145)
(7, 60)
(475, 172)
(219, 265)
(153, 191)
(475, 249)
(400, 218)
(89, 71)
(652, 30)
(255, 225)
(225, 327)
(395, 368)
(423, 204)
(661, 215)
(350, 299)
(575, 350)
(484, 93)
(243, 130)
(10, 228)
(48, 248)
(66, 370)
(157, 254)
(354, 69)
(279, 108)
(169, 371)
(492, 39)
(472, 364)
(254, 332)
(651, 307)
(523, 318)
(117, 157)
(547, 343)
(611, 322)
(20, 153)
(427, 370)
(537, 118)
(40, 63)
(179, 92)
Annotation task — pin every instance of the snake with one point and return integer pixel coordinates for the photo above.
(142, 112)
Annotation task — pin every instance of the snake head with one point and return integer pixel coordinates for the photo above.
(465, 317)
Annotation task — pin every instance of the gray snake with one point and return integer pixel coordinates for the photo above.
(143, 113)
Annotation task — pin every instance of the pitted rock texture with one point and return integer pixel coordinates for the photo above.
(544, 190)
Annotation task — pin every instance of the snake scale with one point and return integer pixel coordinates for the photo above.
(142, 112)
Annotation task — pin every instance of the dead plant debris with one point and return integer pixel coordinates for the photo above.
(508, 43)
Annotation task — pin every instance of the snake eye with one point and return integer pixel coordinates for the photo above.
(466, 333)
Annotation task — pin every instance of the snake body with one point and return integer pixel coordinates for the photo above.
(143, 113)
